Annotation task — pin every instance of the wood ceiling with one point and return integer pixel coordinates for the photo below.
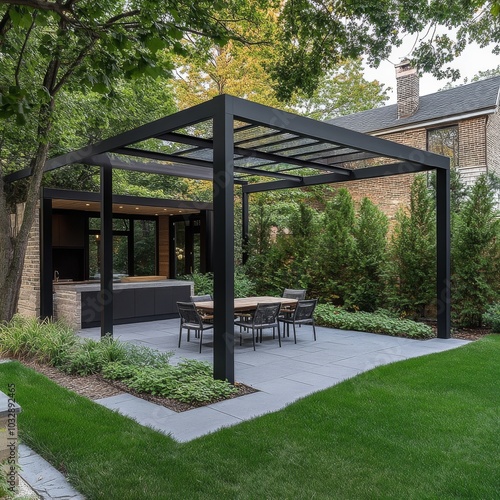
(92, 206)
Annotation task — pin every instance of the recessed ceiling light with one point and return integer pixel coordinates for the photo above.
(87, 204)
(121, 206)
(137, 208)
(156, 214)
(180, 211)
(164, 209)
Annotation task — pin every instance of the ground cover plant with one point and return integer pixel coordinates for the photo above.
(423, 428)
(142, 369)
(378, 322)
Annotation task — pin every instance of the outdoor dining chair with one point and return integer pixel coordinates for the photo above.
(302, 315)
(290, 293)
(287, 311)
(264, 317)
(208, 318)
(191, 320)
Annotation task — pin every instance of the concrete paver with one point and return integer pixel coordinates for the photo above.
(280, 375)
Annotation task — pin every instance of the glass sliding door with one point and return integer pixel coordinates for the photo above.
(186, 246)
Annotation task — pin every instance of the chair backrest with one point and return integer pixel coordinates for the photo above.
(188, 313)
(266, 314)
(305, 309)
(290, 293)
(200, 298)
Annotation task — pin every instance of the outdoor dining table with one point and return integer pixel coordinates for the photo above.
(247, 304)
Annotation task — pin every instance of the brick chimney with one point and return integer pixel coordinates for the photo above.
(407, 89)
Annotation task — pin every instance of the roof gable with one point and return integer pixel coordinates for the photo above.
(474, 97)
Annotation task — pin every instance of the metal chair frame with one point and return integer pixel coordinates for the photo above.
(303, 314)
(191, 320)
(265, 316)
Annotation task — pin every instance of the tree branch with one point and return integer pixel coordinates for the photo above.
(123, 15)
(5, 23)
(23, 48)
(72, 67)
(41, 5)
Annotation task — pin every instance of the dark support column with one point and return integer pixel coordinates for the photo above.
(244, 225)
(106, 270)
(223, 263)
(443, 253)
(206, 240)
(46, 271)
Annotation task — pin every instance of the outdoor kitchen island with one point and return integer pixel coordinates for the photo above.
(142, 299)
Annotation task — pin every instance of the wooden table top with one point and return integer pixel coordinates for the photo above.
(246, 303)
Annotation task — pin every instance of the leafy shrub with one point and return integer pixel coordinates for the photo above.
(44, 341)
(378, 322)
(145, 356)
(492, 317)
(204, 283)
(119, 371)
(141, 368)
(190, 381)
(90, 356)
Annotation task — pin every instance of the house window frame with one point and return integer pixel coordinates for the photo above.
(455, 159)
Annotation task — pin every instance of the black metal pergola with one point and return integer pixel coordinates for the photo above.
(233, 141)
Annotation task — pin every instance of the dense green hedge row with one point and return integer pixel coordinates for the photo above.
(376, 322)
(348, 257)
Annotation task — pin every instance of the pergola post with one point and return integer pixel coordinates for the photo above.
(46, 267)
(106, 250)
(244, 225)
(443, 252)
(223, 250)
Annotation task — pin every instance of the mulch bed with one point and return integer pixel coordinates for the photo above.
(97, 387)
(462, 333)
(471, 333)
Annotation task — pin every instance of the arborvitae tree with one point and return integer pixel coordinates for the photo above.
(337, 247)
(475, 251)
(366, 288)
(414, 252)
(297, 249)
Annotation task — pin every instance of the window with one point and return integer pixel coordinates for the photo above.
(134, 246)
(444, 141)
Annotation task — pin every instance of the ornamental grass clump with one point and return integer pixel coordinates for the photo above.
(31, 339)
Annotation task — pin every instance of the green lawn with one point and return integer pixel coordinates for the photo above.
(423, 428)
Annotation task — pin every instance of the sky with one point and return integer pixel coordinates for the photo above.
(473, 60)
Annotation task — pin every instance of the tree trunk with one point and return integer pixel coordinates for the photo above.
(13, 245)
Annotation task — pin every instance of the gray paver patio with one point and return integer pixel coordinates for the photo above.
(281, 375)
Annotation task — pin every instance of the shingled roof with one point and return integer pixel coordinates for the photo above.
(474, 97)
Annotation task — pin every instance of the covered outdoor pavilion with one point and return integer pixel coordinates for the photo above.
(233, 141)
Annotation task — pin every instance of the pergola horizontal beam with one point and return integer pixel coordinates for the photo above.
(307, 127)
(154, 155)
(248, 153)
(175, 169)
(119, 199)
(362, 173)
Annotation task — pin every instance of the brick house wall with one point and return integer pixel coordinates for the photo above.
(388, 193)
(493, 143)
(29, 296)
(479, 152)
(472, 149)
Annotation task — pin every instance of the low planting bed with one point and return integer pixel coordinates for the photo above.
(102, 368)
(378, 322)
